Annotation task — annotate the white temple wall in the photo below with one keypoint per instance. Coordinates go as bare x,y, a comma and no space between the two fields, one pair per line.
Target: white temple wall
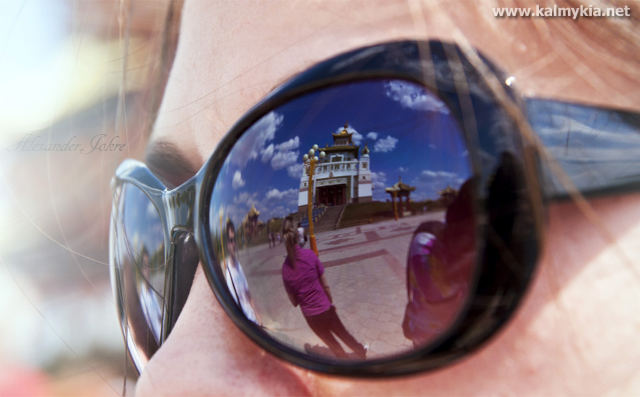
364,192
302,198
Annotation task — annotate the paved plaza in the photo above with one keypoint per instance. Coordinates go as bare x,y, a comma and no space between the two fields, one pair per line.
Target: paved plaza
365,269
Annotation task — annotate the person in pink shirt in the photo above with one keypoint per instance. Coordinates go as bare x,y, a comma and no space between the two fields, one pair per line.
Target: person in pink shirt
304,281
439,270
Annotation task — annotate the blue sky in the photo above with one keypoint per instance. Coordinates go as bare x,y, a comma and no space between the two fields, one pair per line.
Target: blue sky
409,132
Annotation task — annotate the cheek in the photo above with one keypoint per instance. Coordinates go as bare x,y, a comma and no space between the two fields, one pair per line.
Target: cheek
576,332
206,354
593,277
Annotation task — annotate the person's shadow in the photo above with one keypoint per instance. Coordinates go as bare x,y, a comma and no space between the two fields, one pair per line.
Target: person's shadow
323,351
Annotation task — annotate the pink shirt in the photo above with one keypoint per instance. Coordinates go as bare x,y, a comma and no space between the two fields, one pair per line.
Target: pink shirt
303,282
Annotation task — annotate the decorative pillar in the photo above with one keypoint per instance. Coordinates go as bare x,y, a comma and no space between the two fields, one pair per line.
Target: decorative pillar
395,207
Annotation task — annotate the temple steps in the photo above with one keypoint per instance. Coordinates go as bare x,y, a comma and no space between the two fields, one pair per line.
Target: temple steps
329,220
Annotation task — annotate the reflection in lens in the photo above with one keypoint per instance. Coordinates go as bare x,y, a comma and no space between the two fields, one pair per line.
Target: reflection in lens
140,268
440,260
382,259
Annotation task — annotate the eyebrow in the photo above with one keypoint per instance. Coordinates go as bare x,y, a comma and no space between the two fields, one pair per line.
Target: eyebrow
168,163
173,167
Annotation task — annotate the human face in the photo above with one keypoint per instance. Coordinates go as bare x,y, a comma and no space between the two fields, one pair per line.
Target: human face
231,55
231,241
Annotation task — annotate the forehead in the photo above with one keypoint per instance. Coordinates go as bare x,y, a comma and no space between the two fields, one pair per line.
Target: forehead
232,54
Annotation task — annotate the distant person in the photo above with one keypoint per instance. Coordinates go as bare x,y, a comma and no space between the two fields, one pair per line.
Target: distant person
270,235
302,237
304,281
234,275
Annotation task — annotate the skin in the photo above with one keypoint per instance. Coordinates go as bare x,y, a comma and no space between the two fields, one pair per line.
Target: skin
231,243
576,332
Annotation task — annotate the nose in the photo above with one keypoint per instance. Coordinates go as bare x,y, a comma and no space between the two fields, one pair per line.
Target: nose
206,354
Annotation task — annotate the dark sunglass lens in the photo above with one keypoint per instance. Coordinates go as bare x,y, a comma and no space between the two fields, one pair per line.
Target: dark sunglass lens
353,211
139,270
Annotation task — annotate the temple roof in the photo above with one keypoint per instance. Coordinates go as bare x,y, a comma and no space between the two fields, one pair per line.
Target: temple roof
400,187
341,148
343,132
253,211
342,135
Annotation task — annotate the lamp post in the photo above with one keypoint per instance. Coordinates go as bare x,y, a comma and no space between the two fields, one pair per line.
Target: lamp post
310,161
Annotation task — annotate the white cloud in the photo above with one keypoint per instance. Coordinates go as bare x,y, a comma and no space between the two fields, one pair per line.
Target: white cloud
430,182
279,203
241,204
282,154
412,96
246,198
356,138
385,144
280,211
271,203
295,170
402,169
282,195
283,159
372,135
289,145
379,179
438,174
267,153
237,181
256,137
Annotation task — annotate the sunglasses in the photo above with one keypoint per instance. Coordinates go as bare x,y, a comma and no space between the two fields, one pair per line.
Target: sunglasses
388,208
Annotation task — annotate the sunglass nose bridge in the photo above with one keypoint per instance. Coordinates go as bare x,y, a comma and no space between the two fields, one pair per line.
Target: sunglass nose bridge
182,263
180,205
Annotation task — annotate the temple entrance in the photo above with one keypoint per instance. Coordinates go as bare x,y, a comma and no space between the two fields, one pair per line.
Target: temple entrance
332,195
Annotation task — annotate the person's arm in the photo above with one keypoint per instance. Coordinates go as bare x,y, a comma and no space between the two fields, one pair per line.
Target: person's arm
290,294
325,286
323,281
292,298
